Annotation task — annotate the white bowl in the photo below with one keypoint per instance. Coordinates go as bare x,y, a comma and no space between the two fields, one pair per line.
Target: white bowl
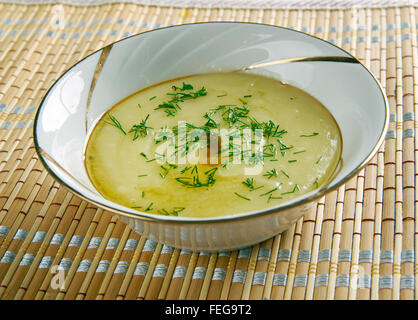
82,94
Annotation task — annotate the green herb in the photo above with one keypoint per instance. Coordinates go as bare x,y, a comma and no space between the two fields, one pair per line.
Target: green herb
168,107
236,114
177,210
294,189
170,166
291,161
248,96
222,95
195,182
282,146
174,212
245,198
268,192
284,173
249,182
115,123
181,96
140,130
315,183
171,107
210,123
309,135
185,87
152,98
163,211
270,174
144,155
269,150
273,198
143,194
185,169
139,106
297,152
149,207
319,159
270,129
211,171
142,175
136,207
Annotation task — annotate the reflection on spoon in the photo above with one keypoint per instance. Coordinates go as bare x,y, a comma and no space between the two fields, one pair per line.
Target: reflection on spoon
318,58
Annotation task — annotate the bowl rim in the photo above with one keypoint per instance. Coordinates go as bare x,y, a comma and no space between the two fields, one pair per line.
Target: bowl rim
316,194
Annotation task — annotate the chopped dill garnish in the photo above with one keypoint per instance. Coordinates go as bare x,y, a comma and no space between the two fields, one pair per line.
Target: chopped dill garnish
144,155
297,152
284,173
315,183
211,123
241,196
291,161
222,95
149,207
174,212
152,98
177,210
171,107
235,114
319,159
115,123
270,174
268,192
181,97
143,194
294,189
168,107
282,146
140,130
273,198
170,166
249,182
309,135
142,175
185,169
211,171
248,96
269,150
195,182
139,106
186,86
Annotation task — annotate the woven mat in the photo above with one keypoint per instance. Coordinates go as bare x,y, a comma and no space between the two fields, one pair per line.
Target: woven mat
358,244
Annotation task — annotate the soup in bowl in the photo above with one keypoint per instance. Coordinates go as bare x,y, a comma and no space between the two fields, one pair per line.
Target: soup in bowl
161,129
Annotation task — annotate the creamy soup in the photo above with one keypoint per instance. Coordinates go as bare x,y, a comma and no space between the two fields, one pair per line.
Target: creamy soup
213,144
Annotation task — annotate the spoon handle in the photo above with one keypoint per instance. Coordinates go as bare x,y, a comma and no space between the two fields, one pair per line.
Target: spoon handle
318,58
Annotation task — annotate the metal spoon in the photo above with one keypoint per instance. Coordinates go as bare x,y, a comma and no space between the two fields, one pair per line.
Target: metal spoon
318,58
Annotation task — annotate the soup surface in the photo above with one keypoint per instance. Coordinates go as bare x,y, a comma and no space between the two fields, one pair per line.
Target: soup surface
213,144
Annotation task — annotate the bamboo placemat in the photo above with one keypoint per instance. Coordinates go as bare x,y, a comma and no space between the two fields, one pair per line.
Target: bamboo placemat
359,242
